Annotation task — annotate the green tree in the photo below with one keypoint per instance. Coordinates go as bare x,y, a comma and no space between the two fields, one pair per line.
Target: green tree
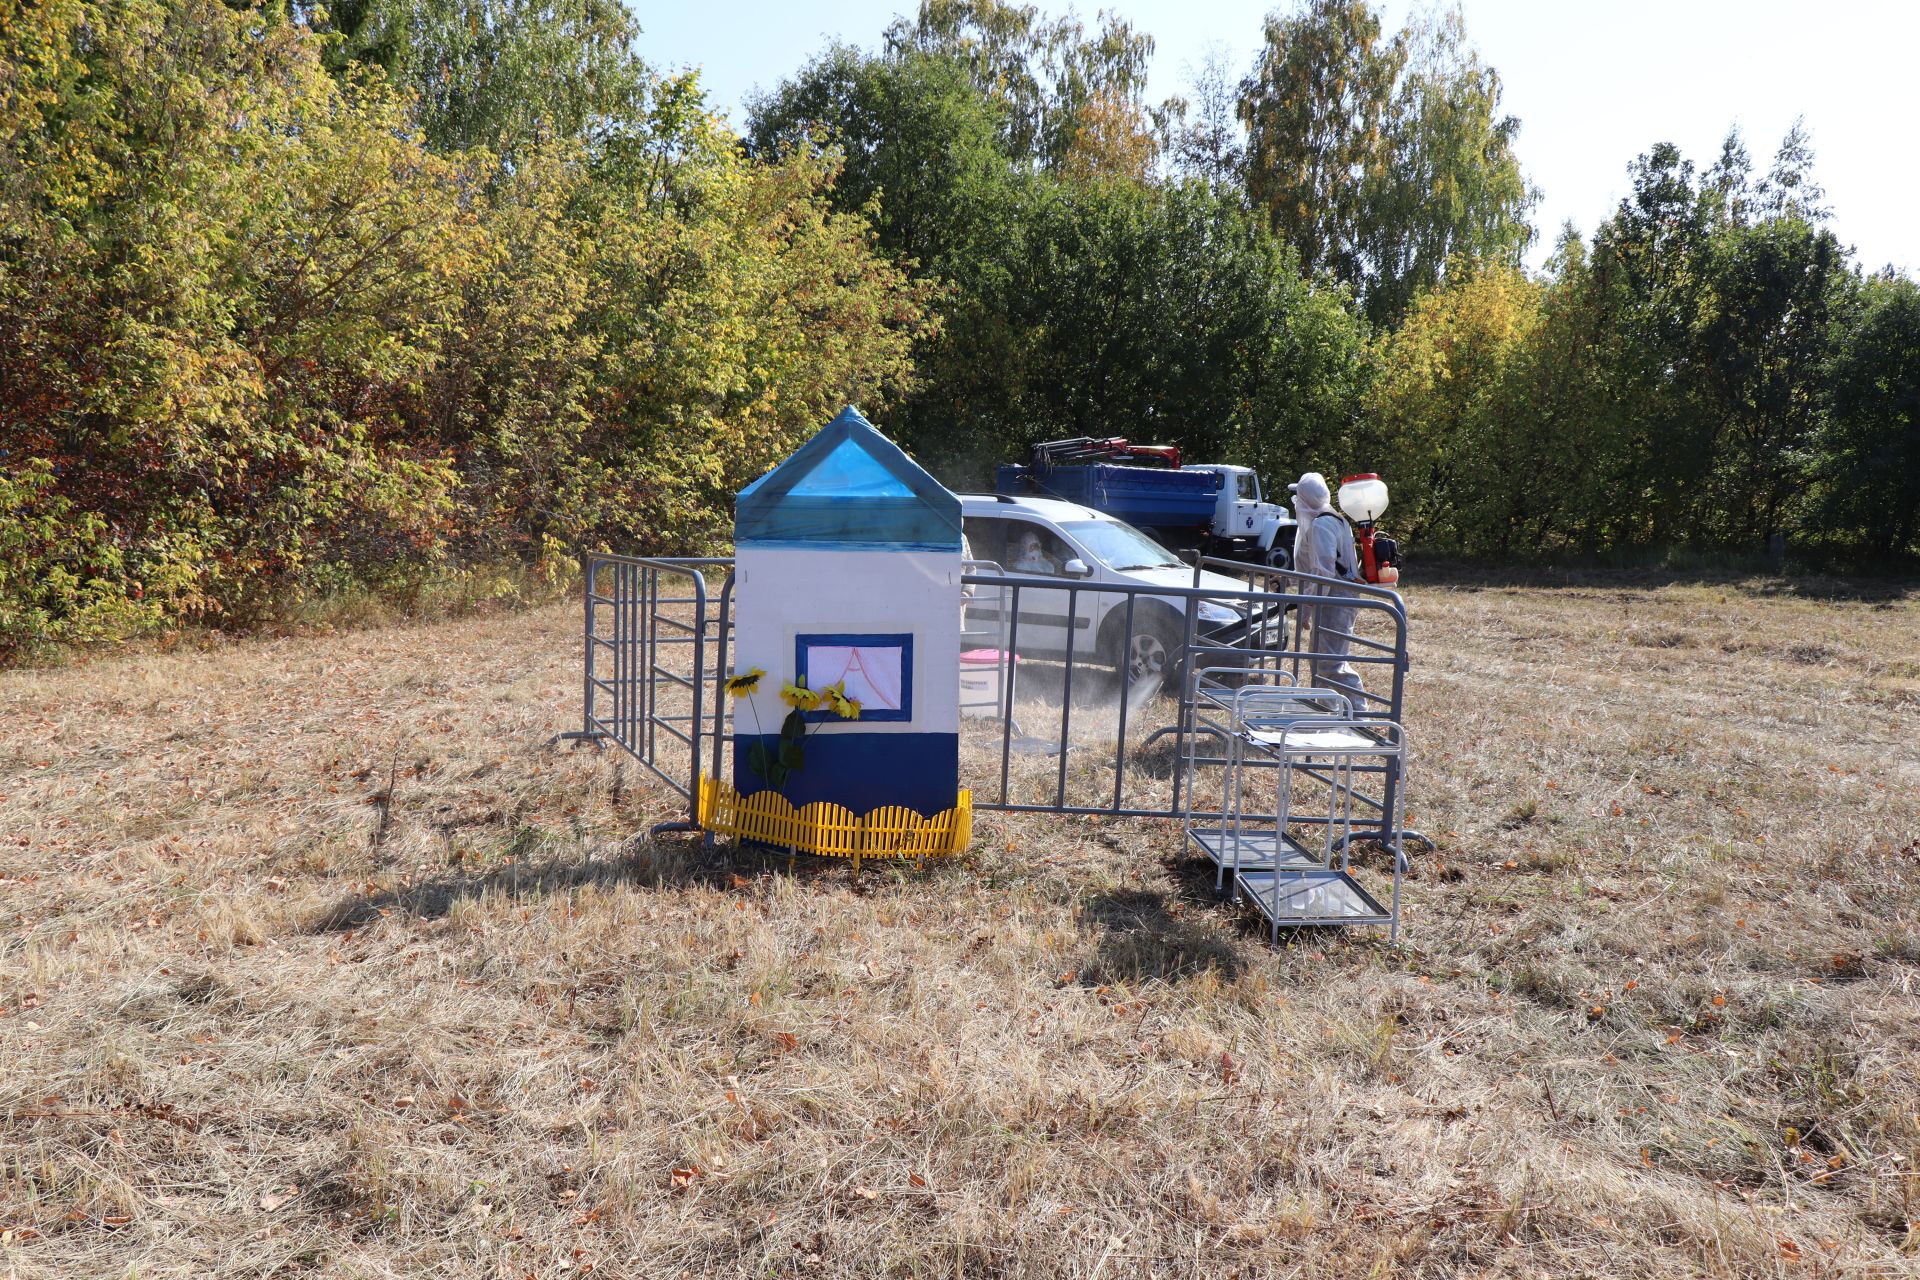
1646,286
1315,109
1073,303
1765,346
1718,294
1068,100
1869,493
1171,314
1449,186
1664,387
1447,405
922,150
1382,160
1203,130
257,341
502,74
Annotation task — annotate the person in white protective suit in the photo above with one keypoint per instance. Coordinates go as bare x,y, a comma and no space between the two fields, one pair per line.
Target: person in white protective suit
1032,558
1323,546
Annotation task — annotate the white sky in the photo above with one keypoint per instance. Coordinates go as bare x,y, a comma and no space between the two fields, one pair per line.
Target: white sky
1594,85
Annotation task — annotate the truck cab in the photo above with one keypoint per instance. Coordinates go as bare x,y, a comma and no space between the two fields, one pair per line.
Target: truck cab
1243,518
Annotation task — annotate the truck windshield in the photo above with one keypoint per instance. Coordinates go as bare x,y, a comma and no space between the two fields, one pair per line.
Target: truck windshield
1119,546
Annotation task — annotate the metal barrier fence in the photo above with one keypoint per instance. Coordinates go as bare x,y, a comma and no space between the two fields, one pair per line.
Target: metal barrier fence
1272,628
1312,628
640,615
1078,656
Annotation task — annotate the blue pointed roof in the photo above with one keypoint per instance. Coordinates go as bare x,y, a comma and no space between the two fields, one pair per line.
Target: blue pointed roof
848,487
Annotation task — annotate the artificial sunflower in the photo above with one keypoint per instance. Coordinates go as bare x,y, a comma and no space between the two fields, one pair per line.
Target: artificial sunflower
835,696
796,695
745,682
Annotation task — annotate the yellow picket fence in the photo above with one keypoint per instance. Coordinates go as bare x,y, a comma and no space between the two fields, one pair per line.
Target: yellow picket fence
768,817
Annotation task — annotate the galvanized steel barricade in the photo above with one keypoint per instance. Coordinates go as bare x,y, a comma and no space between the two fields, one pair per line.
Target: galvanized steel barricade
657,640
648,627
1268,632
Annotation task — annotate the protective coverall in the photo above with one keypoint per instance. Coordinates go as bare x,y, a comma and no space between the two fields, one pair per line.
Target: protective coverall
1032,558
1323,546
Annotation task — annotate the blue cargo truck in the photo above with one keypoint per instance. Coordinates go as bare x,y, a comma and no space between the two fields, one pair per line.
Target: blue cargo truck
1212,508
1144,497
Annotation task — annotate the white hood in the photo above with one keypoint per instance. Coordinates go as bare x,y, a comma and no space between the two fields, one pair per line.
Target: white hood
1183,577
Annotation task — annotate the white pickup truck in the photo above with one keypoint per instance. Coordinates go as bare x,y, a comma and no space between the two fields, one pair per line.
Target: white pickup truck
1047,538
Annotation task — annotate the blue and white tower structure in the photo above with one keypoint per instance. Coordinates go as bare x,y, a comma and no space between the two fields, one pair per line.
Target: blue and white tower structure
847,567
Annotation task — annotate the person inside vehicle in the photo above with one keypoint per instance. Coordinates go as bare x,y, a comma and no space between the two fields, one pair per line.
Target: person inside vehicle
1032,557
1323,546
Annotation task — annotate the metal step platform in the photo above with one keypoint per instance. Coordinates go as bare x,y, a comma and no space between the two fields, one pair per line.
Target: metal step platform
1259,850
1292,899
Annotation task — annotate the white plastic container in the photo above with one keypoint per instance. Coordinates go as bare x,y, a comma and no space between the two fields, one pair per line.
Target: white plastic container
1363,497
981,674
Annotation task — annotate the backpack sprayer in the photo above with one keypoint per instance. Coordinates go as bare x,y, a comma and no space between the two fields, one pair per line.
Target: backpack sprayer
1363,499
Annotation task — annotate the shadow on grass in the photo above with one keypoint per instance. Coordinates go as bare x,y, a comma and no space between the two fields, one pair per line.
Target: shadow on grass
645,862
1154,933
1189,929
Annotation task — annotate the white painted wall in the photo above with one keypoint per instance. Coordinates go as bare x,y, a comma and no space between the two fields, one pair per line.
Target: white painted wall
782,592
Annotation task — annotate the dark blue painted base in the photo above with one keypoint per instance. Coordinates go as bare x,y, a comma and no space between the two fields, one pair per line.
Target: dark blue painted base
863,771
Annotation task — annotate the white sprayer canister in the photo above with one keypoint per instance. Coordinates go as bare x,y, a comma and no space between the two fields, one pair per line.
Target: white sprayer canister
1363,497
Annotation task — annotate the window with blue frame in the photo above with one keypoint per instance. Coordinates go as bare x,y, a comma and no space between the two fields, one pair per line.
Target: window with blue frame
877,670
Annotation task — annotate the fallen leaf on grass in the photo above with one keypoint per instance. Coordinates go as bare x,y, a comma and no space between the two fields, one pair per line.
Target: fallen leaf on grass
682,1178
279,1197
866,1193
786,1040
915,1179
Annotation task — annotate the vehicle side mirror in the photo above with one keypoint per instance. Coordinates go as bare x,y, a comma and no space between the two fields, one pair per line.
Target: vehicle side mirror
1076,568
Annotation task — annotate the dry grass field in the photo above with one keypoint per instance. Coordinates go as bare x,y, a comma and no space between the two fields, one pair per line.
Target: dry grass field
321,958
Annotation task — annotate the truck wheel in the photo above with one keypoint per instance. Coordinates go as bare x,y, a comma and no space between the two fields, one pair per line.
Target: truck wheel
1280,558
